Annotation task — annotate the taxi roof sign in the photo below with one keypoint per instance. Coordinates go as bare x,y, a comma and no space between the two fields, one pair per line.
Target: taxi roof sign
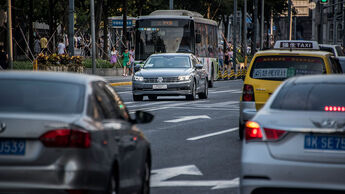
296,44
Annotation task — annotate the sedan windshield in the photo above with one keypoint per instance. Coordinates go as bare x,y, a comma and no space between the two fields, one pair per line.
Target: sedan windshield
27,96
167,62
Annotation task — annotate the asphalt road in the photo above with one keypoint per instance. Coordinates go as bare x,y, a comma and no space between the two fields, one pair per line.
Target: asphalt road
195,144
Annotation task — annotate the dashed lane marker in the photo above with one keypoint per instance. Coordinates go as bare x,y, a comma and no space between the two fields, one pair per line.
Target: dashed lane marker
212,134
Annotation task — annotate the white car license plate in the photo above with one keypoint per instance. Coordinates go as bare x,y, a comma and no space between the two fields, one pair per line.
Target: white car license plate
159,87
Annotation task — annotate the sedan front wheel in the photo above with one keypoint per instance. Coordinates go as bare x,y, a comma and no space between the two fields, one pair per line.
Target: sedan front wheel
193,95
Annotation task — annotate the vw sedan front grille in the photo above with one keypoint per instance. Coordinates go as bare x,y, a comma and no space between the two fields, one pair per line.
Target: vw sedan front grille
165,80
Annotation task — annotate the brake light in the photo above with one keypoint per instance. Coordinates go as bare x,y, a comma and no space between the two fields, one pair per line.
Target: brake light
248,93
335,108
252,131
273,134
66,138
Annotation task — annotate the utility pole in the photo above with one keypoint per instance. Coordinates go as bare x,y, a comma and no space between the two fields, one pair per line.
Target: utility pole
343,23
334,24
71,28
171,4
9,34
321,23
290,19
254,22
234,35
93,39
245,32
295,28
262,24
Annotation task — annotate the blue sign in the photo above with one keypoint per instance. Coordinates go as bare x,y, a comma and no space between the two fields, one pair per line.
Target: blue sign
119,23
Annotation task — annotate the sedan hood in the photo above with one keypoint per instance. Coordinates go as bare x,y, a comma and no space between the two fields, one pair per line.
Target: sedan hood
163,72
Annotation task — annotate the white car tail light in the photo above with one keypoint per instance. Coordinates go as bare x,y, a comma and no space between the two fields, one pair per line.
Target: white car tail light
253,132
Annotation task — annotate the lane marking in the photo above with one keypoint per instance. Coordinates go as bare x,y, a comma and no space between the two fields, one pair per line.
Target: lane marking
224,91
188,118
206,108
160,178
212,134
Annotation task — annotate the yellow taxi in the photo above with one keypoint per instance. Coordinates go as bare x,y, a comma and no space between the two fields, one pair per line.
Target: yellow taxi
269,68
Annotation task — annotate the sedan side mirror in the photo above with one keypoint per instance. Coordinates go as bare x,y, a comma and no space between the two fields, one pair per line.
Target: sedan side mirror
199,66
142,117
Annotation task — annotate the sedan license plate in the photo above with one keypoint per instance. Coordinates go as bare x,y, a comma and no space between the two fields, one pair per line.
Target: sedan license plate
12,147
159,87
319,142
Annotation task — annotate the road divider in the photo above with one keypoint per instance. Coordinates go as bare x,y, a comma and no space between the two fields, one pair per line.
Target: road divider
212,134
121,84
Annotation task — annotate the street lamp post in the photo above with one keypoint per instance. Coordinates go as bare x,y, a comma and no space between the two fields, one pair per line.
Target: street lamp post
171,4
321,24
290,19
9,34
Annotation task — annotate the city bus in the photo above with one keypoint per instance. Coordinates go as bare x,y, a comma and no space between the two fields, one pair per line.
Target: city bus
174,31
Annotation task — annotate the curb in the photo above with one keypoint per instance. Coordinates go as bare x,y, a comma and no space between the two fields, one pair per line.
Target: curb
121,84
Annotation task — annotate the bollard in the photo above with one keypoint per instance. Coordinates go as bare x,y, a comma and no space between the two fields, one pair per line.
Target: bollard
220,76
35,65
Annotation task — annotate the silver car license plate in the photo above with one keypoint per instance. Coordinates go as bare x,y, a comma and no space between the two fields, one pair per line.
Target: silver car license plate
159,87
12,147
324,142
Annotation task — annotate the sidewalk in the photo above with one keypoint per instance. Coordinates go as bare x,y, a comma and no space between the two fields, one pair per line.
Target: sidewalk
119,80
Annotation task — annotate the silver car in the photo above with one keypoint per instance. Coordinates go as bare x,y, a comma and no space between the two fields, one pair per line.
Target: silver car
296,142
69,133
170,74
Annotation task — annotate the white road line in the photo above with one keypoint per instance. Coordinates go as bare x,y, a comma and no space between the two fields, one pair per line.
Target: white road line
206,108
188,118
224,91
124,92
149,104
212,134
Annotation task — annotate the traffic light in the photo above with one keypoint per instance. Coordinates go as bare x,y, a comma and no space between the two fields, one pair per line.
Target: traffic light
324,1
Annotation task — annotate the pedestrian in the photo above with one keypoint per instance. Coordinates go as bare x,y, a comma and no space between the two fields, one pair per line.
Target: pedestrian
61,48
221,58
3,58
114,55
231,55
132,59
44,44
226,59
37,47
125,62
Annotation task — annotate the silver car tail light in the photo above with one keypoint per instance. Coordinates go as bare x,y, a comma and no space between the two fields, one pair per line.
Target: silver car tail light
69,138
254,132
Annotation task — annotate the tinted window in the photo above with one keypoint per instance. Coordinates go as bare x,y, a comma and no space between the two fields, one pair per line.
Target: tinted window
340,51
342,63
327,49
310,97
167,62
41,97
282,67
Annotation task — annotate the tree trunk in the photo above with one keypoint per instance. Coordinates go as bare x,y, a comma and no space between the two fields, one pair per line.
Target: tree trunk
124,28
105,19
225,20
99,9
31,32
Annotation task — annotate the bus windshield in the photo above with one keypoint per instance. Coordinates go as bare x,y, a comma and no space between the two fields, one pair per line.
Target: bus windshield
163,36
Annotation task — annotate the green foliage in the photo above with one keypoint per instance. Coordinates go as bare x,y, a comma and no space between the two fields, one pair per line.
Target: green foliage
22,65
100,63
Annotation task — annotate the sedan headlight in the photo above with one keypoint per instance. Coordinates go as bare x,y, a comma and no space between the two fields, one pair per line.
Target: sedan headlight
138,78
184,78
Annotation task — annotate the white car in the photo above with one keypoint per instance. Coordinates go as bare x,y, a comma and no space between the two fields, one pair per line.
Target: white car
296,142
337,50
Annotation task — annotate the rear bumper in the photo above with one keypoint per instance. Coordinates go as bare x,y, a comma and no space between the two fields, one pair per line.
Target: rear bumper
173,89
261,170
54,178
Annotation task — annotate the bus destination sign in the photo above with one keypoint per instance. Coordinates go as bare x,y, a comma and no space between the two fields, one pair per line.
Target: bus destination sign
164,23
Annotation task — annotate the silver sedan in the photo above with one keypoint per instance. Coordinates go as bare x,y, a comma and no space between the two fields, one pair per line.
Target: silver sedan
296,142
69,133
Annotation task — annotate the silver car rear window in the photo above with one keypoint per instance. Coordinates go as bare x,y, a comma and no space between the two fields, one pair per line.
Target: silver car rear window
282,67
310,97
28,96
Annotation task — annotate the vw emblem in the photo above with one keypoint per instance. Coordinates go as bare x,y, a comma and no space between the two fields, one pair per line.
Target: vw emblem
2,127
160,80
